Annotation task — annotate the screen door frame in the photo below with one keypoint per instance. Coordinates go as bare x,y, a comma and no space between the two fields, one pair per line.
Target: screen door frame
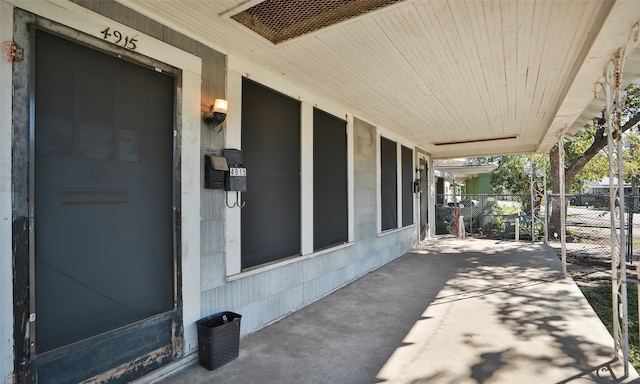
50,358
26,23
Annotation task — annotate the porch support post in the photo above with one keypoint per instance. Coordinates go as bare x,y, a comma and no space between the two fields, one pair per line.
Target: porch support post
545,222
538,194
534,177
563,209
616,213
622,249
614,98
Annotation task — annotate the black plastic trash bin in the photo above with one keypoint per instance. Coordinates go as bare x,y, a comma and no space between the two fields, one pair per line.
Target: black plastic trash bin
218,339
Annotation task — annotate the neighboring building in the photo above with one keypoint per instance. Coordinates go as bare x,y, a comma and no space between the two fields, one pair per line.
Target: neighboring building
479,185
116,231
602,187
596,194
458,178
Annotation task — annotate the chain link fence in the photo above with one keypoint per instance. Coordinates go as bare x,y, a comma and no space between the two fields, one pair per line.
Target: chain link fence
588,220
588,224
493,216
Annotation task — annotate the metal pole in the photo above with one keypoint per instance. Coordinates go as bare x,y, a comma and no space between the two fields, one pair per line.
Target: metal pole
546,197
533,194
470,215
634,36
618,265
563,211
612,207
546,217
622,261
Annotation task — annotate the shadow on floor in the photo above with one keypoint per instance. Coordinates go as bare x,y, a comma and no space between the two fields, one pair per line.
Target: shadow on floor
450,311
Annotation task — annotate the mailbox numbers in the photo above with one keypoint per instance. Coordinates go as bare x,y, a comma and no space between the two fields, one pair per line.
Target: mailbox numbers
118,38
238,171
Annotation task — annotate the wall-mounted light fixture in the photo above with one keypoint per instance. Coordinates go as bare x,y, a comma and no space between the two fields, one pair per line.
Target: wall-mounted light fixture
216,114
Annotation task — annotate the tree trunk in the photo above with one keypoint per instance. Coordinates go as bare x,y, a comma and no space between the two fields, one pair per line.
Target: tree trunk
569,175
554,218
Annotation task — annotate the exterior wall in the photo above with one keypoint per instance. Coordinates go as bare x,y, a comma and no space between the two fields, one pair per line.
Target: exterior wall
473,186
365,150
211,277
485,183
272,292
480,184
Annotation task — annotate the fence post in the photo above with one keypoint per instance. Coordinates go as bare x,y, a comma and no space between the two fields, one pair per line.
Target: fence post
471,216
546,219
517,234
456,222
461,233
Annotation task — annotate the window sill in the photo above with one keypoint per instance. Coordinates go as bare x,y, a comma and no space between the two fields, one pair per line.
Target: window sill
395,230
289,260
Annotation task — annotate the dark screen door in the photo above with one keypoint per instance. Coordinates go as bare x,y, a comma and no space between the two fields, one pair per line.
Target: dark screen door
103,192
424,200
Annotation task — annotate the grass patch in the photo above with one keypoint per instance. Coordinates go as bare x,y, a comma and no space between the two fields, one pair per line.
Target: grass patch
509,210
597,290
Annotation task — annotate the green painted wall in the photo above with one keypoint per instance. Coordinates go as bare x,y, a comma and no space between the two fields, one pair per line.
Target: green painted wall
472,186
479,185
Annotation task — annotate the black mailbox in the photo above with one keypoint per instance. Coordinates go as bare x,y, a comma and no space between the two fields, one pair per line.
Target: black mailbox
214,171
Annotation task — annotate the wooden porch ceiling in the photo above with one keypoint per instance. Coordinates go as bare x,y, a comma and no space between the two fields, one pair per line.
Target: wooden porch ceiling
483,77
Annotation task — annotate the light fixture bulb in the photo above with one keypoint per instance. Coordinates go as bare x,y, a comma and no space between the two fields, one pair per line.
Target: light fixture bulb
216,115
220,105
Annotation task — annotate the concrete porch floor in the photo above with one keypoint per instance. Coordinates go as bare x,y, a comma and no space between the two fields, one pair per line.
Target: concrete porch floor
450,311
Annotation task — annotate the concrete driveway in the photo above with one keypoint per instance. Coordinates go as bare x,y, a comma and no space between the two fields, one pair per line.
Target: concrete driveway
450,311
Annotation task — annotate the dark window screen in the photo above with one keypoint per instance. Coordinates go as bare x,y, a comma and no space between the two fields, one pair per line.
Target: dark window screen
407,186
440,191
271,153
389,183
103,192
330,224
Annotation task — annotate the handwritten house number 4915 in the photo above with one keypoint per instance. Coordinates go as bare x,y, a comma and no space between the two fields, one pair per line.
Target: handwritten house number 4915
118,38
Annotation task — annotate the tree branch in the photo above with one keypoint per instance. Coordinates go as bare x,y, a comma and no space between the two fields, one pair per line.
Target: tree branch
599,142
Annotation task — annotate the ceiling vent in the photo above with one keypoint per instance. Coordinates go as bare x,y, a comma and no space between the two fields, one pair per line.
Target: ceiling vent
473,141
281,20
